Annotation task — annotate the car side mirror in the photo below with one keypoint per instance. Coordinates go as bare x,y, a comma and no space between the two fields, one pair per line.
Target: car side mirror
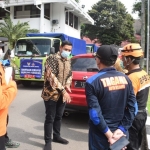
52,50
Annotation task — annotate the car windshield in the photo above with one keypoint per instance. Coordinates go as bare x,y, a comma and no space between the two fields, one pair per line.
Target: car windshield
28,47
84,64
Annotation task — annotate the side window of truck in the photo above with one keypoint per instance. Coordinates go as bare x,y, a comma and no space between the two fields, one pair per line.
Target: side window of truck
56,45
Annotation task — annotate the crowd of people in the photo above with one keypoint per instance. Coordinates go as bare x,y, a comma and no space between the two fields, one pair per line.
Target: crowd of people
116,97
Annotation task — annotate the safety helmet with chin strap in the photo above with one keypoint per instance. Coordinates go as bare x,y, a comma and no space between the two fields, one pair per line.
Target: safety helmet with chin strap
132,49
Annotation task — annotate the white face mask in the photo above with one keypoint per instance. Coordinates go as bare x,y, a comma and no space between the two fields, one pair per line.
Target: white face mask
65,54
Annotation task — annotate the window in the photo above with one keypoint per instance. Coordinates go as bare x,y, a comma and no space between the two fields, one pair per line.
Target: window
3,13
76,22
84,64
33,47
17,8
56,45
66,18
34,12
47,11
70,19
27,7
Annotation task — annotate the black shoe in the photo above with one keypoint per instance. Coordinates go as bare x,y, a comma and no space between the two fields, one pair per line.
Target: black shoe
47,146
60,140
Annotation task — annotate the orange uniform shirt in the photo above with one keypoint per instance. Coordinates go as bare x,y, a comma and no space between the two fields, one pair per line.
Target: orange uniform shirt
7,95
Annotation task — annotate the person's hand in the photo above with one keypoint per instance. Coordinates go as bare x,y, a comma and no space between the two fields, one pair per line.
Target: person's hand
118,134
67,87
66,98
111,140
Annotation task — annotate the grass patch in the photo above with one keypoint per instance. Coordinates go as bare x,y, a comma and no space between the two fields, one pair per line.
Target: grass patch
148,104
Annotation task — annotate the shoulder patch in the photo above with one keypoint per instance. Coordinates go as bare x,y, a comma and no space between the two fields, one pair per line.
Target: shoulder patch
91,79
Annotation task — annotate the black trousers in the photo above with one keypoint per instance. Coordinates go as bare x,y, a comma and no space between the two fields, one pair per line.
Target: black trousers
135,132
6,136
54,112
2,143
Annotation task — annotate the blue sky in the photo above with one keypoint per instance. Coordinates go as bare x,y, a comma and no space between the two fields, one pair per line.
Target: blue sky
128,4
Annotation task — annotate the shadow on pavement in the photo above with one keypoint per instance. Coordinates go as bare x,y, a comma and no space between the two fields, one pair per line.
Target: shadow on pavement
74,126
25,137
33,86
36,112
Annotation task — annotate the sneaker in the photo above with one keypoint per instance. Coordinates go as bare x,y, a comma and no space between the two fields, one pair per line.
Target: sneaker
48,146
12,144
60,140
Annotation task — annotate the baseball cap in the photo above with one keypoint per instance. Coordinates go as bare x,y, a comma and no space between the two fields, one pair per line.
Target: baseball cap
107,52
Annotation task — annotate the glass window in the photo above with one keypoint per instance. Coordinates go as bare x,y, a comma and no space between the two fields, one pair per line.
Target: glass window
28,47
70,19
76,22
27,7
3,13
34,12
47,11
66,18
56,45
18,8
84,64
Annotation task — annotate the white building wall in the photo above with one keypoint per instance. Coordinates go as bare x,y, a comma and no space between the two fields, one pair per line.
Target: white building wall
58,13
71,31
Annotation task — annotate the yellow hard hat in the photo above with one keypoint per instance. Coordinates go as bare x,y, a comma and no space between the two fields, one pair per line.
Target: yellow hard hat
132,49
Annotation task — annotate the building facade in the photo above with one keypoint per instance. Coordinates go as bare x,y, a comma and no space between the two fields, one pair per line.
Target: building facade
59,16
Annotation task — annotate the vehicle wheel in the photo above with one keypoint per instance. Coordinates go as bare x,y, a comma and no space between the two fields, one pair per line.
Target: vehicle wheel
26,83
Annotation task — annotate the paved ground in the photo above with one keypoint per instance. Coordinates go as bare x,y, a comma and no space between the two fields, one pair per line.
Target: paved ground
26,123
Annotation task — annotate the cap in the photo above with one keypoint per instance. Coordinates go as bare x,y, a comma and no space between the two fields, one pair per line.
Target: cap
2,44
107,52
132,49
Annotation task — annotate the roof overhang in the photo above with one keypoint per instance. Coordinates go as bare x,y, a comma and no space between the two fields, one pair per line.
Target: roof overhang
71,4
3,39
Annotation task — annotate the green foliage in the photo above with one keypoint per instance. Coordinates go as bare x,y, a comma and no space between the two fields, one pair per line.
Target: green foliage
137,8
77,1
112,23
14,31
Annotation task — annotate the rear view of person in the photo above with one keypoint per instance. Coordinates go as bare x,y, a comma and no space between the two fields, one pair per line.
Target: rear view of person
111,101
8,93
131,55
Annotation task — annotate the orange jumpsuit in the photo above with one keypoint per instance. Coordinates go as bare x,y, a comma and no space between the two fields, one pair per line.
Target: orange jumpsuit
7,95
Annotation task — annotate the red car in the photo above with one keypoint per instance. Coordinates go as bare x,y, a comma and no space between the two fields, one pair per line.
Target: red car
83,67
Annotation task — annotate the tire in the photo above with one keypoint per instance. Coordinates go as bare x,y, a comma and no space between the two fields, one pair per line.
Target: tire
26,83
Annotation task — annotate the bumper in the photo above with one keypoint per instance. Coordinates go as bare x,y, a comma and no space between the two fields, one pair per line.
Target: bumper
78,103
17,78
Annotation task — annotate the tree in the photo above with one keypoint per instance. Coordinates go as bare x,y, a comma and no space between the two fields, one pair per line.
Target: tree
14,31
112,23
77,1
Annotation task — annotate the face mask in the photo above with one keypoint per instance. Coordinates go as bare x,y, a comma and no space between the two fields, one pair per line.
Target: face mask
65,54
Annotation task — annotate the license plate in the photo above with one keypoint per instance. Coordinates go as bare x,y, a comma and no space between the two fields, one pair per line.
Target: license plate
29,76
79,84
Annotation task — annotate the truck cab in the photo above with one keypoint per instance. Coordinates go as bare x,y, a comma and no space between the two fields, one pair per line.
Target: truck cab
30,54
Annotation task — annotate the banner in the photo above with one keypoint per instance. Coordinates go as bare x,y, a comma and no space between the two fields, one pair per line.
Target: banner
31,68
